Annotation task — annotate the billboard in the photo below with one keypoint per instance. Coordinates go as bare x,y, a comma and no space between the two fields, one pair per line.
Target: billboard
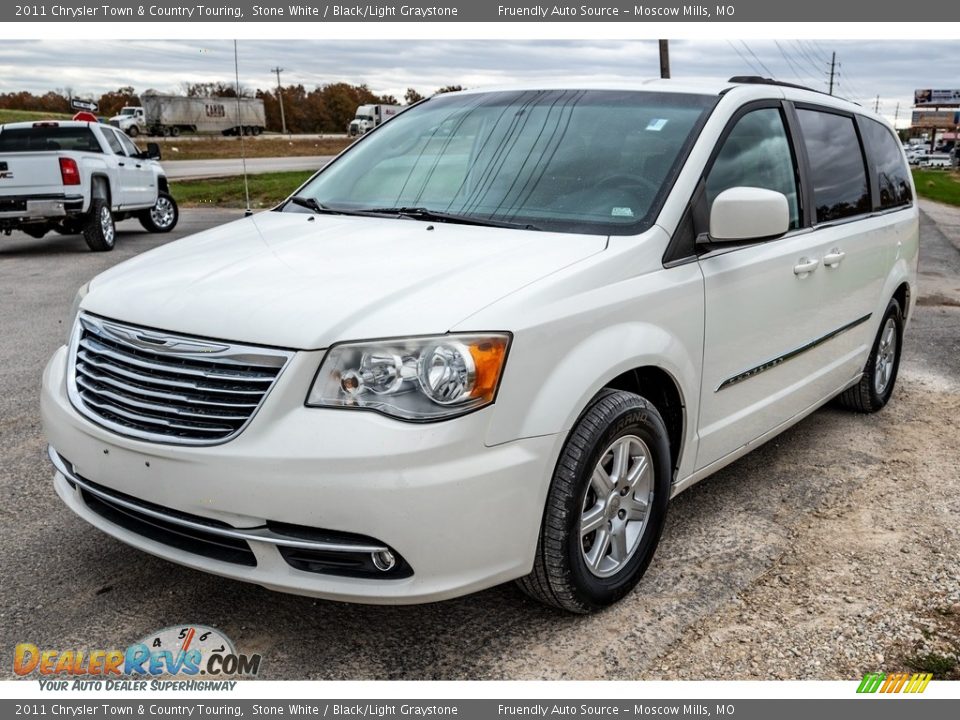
935,119
936,97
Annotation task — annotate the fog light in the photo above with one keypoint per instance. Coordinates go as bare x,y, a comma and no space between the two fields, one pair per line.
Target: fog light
383,560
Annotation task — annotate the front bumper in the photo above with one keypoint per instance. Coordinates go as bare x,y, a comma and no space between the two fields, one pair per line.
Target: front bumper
462,515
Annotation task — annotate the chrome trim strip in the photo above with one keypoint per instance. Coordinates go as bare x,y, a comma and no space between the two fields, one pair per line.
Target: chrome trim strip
769,364
263,535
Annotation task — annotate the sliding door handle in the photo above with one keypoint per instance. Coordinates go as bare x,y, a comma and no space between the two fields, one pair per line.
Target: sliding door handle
834,257
805,266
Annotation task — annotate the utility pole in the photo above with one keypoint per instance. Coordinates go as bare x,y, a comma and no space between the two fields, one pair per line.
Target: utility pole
283,117
833,66
665,58
876,105
896,116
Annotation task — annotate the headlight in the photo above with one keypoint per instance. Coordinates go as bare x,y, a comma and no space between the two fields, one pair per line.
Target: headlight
413,378
75,309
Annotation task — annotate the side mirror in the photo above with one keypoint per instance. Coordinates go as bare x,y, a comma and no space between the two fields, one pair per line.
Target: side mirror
153,151
748,213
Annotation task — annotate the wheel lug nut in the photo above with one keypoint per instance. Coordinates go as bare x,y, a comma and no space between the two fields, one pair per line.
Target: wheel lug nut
622,514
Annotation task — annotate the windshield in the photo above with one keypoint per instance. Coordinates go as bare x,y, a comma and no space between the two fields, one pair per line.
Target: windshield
565,160
128,111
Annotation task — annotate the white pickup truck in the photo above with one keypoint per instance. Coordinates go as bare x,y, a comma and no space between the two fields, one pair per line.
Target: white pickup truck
80,177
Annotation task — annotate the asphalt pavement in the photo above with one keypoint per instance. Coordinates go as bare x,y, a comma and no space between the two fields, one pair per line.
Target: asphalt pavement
64,584
196,169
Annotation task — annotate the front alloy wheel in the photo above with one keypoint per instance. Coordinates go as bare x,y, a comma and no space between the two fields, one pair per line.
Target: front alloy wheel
616,506
606,506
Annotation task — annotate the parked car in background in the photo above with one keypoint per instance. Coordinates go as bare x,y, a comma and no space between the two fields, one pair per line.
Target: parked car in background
494,353
936,160
80,177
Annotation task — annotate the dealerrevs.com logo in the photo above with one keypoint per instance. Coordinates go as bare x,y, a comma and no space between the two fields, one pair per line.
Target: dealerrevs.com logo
197,656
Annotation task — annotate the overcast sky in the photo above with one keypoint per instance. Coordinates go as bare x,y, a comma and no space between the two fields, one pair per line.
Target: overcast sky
866,68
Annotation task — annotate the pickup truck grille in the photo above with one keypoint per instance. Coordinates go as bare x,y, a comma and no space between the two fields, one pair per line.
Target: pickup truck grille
167,388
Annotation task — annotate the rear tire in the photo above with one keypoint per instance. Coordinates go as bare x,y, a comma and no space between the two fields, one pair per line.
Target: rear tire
162,217
880,374
606,506
100,232
175,131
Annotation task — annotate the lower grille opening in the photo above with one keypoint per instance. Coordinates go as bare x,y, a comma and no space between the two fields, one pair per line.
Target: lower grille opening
216,547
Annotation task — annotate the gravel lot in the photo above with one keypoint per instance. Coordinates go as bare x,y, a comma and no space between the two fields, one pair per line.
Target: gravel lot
829,552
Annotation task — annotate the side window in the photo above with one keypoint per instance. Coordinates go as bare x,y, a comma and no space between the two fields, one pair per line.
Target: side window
128,145
113,141
837,166
893,177
757,153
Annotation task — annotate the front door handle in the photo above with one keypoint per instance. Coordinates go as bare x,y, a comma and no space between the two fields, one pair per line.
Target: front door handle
834,257
805,266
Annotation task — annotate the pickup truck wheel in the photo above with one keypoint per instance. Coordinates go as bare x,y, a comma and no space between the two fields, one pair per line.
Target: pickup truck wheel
606,506
880,374
100,231
162,217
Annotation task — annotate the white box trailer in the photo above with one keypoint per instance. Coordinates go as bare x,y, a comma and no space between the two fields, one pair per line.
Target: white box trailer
175,114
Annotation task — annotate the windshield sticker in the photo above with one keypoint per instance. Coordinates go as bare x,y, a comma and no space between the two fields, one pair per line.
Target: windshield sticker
621,212
657,124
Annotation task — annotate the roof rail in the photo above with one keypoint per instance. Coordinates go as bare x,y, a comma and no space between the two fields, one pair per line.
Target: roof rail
758,80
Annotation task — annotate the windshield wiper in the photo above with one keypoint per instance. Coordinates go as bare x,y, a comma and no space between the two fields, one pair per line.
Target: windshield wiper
312,204
422,213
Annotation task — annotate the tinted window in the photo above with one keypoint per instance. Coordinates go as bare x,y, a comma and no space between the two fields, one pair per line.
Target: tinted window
893,177
837,167
128,145
113,141
587,161
38,139
757,154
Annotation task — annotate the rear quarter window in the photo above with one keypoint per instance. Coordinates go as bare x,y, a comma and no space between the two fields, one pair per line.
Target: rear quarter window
53,138
893,176
837,166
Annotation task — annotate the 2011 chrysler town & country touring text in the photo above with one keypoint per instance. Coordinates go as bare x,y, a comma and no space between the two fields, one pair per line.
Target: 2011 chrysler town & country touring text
491,340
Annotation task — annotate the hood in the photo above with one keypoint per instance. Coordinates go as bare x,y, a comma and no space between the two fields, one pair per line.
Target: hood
305,281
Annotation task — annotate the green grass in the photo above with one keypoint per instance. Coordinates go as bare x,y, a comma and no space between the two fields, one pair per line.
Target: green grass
266,190
940,666
940,185
10,116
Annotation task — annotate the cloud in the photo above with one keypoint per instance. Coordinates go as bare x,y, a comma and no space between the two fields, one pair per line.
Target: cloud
865,68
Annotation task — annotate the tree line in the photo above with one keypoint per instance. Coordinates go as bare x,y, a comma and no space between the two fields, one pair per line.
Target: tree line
324,108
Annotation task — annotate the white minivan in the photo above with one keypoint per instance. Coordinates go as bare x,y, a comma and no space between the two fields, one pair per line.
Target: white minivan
491,340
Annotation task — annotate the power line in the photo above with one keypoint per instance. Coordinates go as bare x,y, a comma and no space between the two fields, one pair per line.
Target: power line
744,58
789,61
769,71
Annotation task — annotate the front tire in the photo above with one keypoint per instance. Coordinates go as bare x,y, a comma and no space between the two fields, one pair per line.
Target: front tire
606,506
100,232
133,131
162,217
880,374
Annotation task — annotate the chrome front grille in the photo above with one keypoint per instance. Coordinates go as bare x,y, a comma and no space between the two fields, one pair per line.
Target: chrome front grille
167,388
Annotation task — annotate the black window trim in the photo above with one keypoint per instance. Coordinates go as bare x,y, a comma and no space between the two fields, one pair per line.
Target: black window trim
697,212
872,184
874,168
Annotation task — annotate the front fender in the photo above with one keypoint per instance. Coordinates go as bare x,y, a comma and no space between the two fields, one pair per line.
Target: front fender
576,332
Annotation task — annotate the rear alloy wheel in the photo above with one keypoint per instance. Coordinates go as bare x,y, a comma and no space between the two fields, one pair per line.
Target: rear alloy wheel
100,231
606,506
162,217
880,373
